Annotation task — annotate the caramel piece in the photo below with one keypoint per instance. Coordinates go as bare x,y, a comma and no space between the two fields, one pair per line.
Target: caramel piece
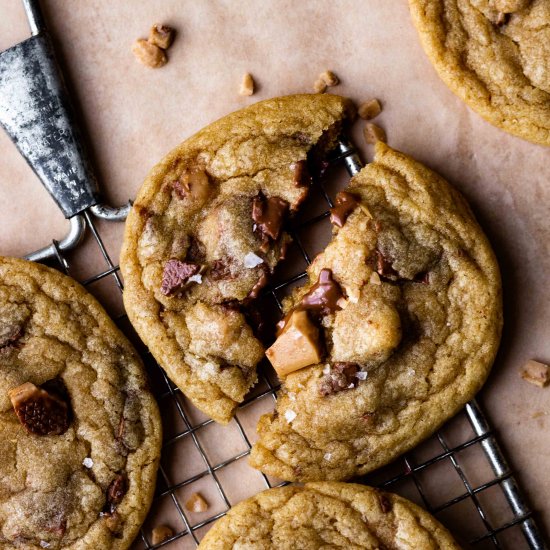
344,205
160,534
247,85
193,185
329,78
196,503
324,295
536,373
161,36
297,346
369,109
374,133
149,54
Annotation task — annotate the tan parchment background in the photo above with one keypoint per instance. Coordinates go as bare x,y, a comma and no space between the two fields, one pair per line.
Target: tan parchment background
134,115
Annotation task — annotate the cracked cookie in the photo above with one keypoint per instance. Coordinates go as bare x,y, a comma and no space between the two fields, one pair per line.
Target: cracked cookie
407,297
80,432
205,233
327,515
495,55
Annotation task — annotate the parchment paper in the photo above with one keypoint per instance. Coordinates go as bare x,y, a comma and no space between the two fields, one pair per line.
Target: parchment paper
134,115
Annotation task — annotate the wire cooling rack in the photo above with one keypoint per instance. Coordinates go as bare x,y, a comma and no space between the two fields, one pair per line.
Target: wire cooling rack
459,474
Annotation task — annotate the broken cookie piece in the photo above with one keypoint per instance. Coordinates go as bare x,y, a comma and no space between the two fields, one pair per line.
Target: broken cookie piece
297,346
258,163
404,351
40,412
536,373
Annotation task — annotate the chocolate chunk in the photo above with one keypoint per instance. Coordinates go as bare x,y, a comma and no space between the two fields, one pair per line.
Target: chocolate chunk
262,281
385,503
383,266
181,188
195,253
324,295
9,336
175,275
342,376
40,412
302,177
220,270
115,493
268,215
344,205
502,19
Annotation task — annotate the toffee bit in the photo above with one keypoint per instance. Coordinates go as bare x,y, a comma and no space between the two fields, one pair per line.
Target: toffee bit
536,373
160,534
196,503
329,78
369,109
374,133
247,85
161,36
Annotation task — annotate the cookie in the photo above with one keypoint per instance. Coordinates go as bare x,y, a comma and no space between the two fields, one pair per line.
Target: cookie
407,297
205,233
80,432
327,515
495,55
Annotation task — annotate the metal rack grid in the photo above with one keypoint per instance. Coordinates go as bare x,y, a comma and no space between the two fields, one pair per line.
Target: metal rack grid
498,526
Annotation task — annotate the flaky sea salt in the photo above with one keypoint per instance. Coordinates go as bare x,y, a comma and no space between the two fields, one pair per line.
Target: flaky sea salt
327,456
290,415
44,544
195,278
87,462
252,260
292,396
352,385
362,375
326,369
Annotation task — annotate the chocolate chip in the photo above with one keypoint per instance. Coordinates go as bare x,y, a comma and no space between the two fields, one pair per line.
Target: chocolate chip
340,377
302,177
262,281
383,266
344,205
324,295
220,270
10,335
385,503
181,188
268,215
115,493
175,275
196,253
